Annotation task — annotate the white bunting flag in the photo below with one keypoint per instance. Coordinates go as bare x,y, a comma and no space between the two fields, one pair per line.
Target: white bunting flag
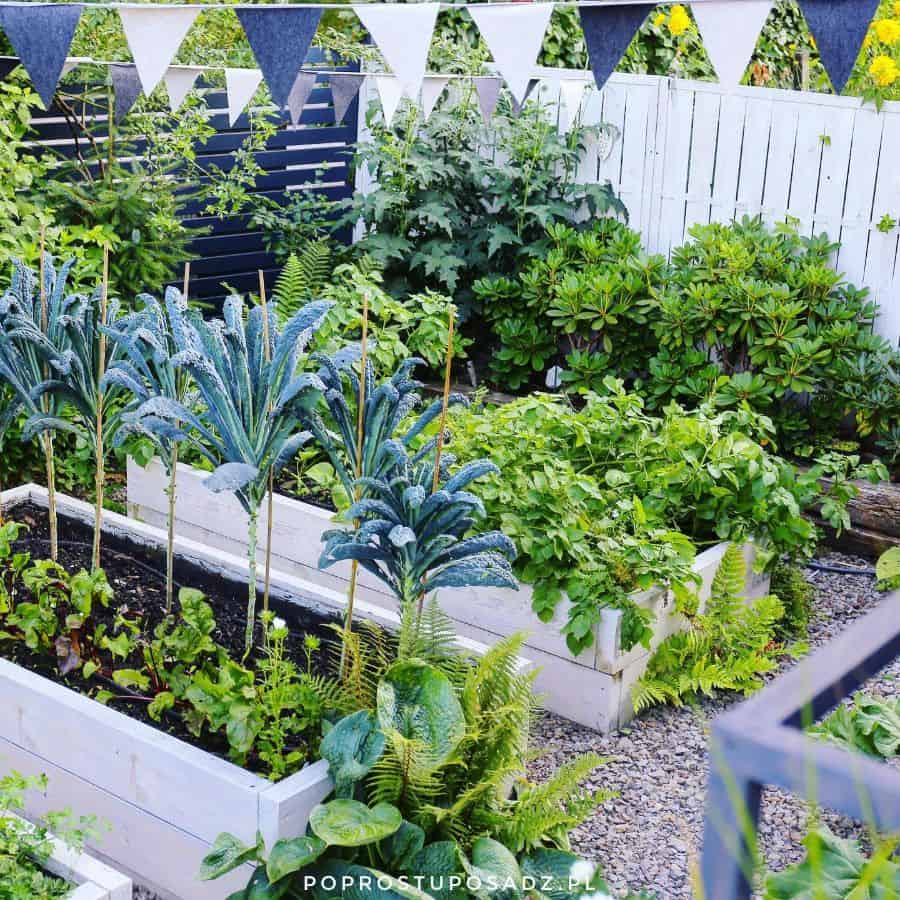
179,81
730,32
514,35
403,35
432,88
390,91
241,85
571,92
154,35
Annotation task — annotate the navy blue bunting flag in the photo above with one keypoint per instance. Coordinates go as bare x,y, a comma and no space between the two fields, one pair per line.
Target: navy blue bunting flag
41,35
126,84
839,27
608,30
280,39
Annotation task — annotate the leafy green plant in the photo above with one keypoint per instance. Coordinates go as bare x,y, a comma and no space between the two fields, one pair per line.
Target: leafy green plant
245,372
453,198
887,570
790,586
303,277
421,791
26,848
145,368
836,868
871,726
728,646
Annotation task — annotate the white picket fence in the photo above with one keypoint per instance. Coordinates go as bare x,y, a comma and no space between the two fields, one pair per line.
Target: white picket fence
689,152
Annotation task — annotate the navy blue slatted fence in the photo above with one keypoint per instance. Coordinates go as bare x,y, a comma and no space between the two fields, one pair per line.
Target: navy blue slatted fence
313,155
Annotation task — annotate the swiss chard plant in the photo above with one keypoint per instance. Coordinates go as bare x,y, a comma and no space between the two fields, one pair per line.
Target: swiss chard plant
253,397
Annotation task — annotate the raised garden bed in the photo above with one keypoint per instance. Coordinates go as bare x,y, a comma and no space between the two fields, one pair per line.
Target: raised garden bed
92,879
593,689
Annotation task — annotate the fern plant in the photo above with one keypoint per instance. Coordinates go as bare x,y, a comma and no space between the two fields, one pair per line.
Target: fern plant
727,647
304,276
246,374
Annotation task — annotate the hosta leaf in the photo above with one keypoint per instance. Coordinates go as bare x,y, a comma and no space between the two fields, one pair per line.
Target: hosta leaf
349,823
352,747
399,850
419,702
491,858
291,855
227,853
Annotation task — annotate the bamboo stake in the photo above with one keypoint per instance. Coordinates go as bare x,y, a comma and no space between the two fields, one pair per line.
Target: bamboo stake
99,448
357,493
446,400
49,461
271,492
172,491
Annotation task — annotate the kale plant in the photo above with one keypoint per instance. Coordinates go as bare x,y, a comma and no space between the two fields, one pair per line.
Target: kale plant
145,369
253,401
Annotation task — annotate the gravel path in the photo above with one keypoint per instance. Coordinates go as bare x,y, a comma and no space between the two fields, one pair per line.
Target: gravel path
649,836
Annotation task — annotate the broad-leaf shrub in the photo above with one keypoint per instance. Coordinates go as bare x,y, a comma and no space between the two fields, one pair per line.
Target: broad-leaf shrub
609,499
454,200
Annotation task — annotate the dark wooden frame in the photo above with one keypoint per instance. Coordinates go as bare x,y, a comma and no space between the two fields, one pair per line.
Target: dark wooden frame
760,743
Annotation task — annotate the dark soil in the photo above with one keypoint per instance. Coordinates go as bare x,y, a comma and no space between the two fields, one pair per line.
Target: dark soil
137,575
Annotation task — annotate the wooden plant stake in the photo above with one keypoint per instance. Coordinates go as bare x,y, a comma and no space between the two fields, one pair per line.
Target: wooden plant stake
271,492
439,447
357,493
172,491
100,450
49,461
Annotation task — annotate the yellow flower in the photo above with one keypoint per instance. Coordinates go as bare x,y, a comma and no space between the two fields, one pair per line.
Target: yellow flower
884,71
679,21
897,7
887,30
660,18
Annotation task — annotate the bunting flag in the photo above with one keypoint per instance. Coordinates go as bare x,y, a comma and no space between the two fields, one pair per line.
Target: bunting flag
7,65
390,92
488,89
432,88
179,82
154,35
514,35
299,94
41,35
344,88
608,31
839,27
403,35
571,93
280,39
126,86
730,32
240,85
516,105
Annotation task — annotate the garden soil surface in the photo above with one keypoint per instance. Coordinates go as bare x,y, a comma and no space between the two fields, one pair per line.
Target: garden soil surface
137,575
649,836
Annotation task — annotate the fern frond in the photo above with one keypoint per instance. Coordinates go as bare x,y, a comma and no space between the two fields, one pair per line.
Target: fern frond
303,277
727,584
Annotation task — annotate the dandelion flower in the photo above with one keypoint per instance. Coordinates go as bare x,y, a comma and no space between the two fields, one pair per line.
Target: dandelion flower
660,18
884,71
887,30
679,20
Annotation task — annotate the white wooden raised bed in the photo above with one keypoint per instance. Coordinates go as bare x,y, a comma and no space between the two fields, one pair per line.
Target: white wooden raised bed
593,689
91,879
165,799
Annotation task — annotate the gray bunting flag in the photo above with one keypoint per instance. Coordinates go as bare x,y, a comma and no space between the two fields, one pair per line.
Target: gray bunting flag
344,88
300,92
280,39
126,86
41,35
488,89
